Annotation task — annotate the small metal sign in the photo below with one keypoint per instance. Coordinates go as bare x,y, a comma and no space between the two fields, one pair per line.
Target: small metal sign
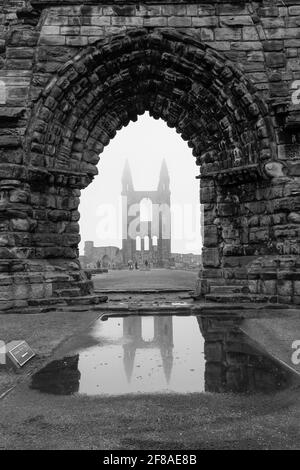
19,352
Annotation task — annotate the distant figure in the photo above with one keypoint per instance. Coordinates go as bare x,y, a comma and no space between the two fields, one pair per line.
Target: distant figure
146,263
136,265
130,264
98,264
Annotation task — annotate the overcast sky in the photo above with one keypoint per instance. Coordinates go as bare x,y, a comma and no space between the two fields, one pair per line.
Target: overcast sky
144,143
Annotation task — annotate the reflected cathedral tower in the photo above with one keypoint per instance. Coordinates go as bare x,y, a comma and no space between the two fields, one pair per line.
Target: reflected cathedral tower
162,340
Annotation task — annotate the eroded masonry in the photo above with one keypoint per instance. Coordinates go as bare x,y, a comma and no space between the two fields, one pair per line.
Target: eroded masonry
225,75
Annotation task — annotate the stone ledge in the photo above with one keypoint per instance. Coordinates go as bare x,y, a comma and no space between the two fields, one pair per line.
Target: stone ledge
60,3
234,175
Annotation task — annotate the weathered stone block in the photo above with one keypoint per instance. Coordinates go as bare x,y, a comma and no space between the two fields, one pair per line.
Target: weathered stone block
179,21
210,235
225,34
149,10
273,46
128,21
294,10
37,291
26,37
21,291
275,59
294,217
158,21
21,225
211,257
285,288
205,21
207,34
76,40
174,10
92,31
70,30
268,287
250,34
53,40
236,20
50,30
100,21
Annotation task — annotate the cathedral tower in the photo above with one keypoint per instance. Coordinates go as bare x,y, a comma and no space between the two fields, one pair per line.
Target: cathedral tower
146,221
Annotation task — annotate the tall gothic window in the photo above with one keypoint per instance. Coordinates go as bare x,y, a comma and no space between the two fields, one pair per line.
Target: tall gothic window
146,210
146,243
138,243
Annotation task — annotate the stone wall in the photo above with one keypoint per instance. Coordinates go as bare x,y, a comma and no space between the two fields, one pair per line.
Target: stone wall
225,75
235,364
108,256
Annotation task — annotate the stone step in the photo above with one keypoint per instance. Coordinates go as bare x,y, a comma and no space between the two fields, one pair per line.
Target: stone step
227,289
86,299
239,297
72,292
80,300
143,290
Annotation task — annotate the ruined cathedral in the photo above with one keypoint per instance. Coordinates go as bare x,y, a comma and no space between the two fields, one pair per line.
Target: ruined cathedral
146,221
146,227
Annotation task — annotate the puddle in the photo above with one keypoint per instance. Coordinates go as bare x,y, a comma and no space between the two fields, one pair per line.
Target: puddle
158,354
135,355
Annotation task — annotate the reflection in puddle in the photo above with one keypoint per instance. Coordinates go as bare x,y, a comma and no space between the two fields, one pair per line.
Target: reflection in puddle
60,377
144,354
234,363
151,354
136,355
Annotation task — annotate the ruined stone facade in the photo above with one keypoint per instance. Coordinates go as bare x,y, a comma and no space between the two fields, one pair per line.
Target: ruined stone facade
224,75
146,237
107,256
186,260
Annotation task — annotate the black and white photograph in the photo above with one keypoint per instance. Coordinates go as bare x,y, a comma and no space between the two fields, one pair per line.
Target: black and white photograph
149,228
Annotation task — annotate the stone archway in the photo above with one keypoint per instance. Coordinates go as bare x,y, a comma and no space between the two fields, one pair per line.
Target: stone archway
170,74
216,110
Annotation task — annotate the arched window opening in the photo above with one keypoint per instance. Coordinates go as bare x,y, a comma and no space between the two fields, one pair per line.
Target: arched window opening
154,240
138,243
146,210
146,243
147,329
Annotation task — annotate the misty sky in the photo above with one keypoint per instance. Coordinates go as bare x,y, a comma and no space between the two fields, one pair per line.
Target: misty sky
144,143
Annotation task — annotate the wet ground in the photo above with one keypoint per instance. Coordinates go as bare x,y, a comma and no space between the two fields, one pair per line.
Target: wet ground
241,397
148,381
133,354
163,354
